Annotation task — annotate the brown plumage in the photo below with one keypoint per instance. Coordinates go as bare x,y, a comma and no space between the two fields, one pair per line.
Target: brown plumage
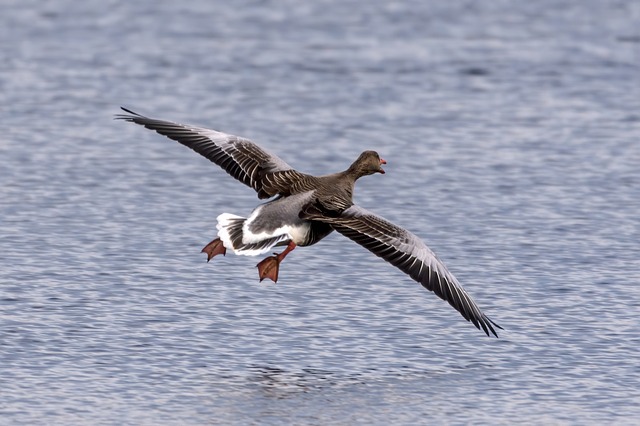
307,208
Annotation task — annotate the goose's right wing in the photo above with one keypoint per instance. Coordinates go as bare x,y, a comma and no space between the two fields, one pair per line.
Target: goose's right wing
411,255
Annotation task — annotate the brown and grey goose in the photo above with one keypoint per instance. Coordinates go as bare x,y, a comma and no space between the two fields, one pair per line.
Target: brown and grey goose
305,209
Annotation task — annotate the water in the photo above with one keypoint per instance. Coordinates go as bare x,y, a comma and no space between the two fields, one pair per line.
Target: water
511,135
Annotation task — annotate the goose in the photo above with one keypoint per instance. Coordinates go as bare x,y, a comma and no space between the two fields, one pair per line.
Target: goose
303,209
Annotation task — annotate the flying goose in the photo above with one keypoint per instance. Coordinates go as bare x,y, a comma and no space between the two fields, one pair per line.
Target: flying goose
304,209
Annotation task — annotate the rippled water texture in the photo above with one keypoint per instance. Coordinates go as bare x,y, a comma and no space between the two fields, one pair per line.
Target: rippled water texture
511,133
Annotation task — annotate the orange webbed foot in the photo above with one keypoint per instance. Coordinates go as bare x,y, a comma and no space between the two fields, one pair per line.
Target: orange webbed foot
269,268
214,248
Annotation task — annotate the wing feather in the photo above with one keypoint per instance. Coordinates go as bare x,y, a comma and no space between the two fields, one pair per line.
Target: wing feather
411,255
239,157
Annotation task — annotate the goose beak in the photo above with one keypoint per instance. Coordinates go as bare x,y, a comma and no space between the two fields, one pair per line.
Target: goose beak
382,161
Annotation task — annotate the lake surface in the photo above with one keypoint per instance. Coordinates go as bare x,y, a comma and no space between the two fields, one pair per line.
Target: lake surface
512,138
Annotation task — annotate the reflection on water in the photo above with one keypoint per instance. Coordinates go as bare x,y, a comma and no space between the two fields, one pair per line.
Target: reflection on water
277,383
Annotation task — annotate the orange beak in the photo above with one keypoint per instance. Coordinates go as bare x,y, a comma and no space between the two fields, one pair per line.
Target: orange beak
382,161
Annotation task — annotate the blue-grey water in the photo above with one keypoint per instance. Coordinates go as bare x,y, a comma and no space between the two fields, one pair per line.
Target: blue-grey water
512,135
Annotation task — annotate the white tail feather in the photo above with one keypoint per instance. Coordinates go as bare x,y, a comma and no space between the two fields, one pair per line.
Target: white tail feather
226,222
230,230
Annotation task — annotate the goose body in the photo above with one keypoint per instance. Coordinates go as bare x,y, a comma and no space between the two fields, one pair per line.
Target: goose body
270,224
303,209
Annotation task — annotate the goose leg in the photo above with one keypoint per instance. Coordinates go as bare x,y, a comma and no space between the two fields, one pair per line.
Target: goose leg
269,267
214,248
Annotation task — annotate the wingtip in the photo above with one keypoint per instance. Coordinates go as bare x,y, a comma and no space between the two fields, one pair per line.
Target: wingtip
129,111
126,117
490,324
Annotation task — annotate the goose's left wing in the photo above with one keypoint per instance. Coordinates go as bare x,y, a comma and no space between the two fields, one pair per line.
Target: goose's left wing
411,255
244,160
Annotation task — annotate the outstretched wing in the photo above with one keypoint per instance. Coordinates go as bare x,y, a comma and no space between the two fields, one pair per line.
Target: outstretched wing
266,173
407,252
